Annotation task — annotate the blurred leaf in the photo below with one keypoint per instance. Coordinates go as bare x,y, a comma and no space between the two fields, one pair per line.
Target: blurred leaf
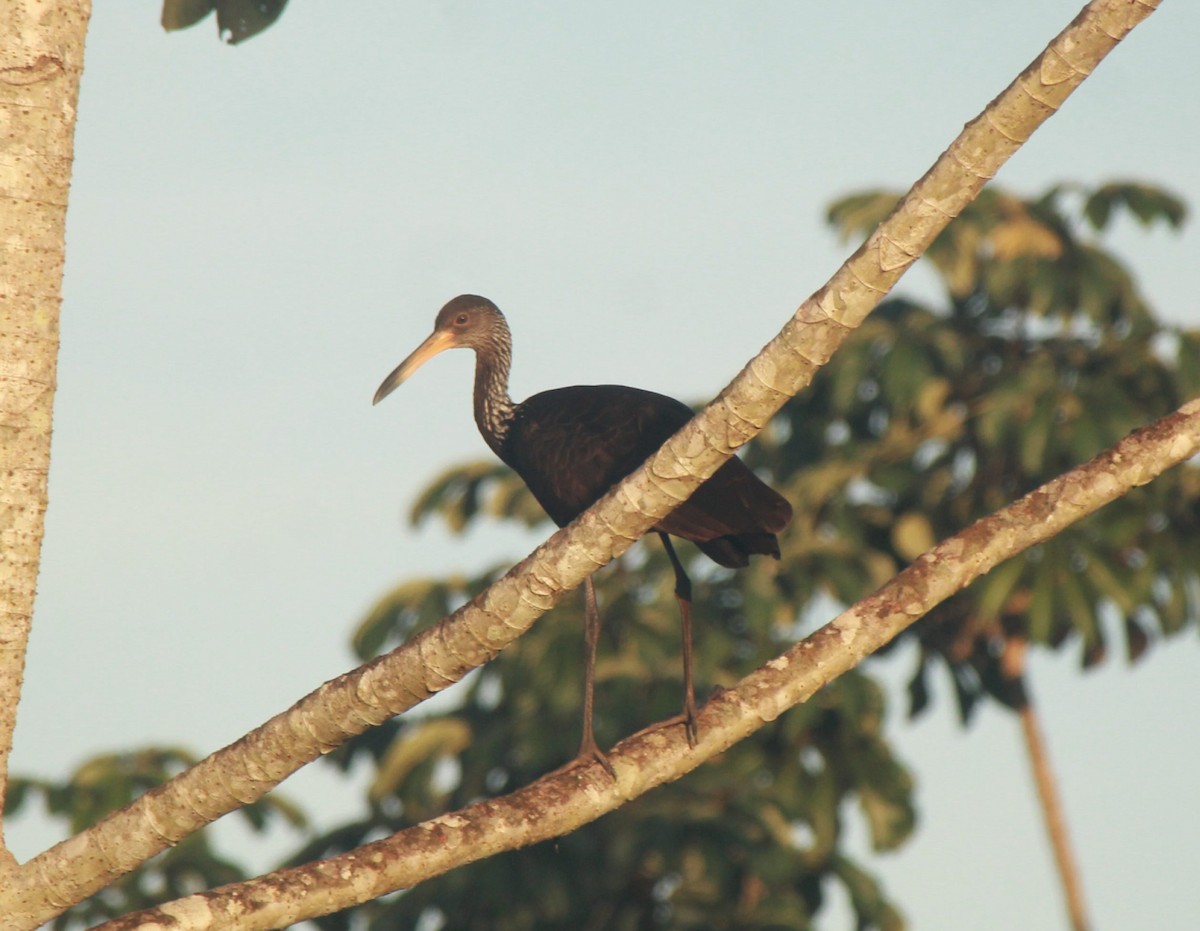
867,898
1146,202
994,590
905,372
912,535
236,19
454,495
444,737
931,399
918,690
465,492
1023,236
1042,602
1137,641
890,816
1081,612
1188,360
859,214
179,14
1036,436
1100,573
406,608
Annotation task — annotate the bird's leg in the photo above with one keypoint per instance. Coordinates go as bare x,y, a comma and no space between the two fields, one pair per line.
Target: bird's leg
683,594
589,750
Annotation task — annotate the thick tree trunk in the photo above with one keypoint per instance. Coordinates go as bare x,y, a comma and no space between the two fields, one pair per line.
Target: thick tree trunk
41,57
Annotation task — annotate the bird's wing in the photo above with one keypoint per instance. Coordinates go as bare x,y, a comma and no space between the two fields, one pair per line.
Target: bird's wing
571,445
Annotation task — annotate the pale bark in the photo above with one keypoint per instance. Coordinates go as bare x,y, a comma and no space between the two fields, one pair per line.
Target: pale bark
349,705
563,801
41,57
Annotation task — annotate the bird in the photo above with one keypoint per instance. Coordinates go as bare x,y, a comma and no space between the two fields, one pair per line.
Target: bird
572,445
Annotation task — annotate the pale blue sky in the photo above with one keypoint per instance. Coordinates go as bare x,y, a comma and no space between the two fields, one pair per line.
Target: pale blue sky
257,235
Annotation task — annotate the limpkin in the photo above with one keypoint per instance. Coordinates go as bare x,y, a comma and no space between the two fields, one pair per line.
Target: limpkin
571,445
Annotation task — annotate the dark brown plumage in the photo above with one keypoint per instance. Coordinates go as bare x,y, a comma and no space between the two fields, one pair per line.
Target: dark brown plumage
571,445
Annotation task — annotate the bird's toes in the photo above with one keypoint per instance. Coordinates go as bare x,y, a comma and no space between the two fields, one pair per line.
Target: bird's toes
588,754
690,727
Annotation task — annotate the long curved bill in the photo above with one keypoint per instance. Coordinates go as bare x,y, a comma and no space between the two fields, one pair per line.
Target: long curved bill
438,341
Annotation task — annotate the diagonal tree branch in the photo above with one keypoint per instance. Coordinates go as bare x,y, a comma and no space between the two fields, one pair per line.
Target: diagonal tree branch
563,801
41,56
347,706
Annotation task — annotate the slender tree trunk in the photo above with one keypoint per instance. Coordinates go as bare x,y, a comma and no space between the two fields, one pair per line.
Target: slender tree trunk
41,57
1053,815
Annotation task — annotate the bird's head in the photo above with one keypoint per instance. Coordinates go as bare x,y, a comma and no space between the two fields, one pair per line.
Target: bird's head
467,322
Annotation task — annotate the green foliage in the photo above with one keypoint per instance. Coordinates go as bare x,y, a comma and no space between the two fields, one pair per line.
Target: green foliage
1039,354
105,783
476,489
1044,354
1147,204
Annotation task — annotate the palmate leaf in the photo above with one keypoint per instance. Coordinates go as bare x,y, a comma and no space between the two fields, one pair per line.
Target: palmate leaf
475,489
1148,203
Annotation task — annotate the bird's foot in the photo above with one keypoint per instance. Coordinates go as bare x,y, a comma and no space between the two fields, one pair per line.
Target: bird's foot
589,753
688,722
687,717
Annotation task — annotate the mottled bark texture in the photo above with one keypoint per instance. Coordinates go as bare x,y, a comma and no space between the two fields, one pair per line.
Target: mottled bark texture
41,57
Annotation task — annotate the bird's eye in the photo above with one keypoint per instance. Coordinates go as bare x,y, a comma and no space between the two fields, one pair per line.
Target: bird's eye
461,320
